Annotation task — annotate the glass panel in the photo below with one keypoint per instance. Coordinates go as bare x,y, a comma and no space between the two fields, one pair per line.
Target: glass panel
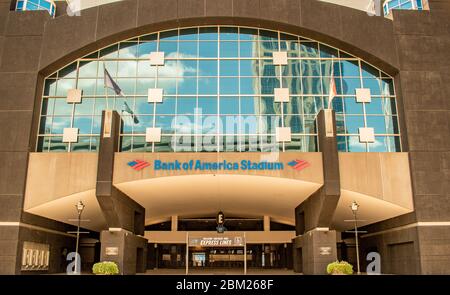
165,123
144,123
144,49
86,107
50,87
47,106
373,85
207,68
165,145
269,84
377,123
353,107
208,33
229,85
295,122
248,49
350,85
170,49
187,86
45,125
56,145
83,144
88,69
229,105
128,50
249,86
309,49
208,49
188,50
186,105
249,105
354,145
171,35
188,34
353,123
167,106
229,68
350,68
62,107
228,49
207,86
310,67
207,105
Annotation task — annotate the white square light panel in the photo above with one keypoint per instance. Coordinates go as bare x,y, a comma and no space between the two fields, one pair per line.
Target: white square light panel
366,135
153,135
155,95
157,58
283,134
281,94
363,95
280,58
70,135
73,96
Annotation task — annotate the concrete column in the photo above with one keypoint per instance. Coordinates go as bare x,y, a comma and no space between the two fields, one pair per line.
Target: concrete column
174,223
128,250
266,223
125,217
313,217
314,250
119,210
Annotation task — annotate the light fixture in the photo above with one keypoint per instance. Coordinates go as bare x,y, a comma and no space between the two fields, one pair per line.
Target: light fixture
354,206
80,207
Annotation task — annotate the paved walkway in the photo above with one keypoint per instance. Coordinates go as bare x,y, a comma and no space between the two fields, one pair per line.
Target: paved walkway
220,271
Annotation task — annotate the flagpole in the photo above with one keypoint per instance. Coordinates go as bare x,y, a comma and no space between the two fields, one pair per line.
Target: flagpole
104,85
329,90
110,83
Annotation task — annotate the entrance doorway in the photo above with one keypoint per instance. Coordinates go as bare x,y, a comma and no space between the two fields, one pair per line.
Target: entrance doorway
199,259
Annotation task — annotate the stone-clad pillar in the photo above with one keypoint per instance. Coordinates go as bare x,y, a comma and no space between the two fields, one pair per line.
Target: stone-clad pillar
123,241
315,244
20,45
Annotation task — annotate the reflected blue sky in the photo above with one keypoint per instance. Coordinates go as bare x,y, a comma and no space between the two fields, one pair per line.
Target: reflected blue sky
220,74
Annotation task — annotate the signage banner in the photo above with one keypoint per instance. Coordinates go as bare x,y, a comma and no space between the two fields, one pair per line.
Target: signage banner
237,241
225,165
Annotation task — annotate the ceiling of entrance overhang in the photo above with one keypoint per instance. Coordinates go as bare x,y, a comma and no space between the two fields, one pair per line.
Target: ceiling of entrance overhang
236,195
200,195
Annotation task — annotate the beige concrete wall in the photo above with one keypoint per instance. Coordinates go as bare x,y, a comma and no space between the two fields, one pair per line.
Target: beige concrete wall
123,173
55,175
385,176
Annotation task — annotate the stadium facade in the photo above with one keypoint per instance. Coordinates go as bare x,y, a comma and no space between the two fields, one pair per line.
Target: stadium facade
229,130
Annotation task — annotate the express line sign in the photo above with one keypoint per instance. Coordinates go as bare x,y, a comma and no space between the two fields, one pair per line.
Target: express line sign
199,165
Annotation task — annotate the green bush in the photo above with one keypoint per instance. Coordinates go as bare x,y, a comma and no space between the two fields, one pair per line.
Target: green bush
342,268
105,268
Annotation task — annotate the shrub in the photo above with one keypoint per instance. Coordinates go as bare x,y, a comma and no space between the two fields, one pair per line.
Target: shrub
342,267
105,268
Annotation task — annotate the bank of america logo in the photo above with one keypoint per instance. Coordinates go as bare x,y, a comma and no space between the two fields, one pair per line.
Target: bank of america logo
138,164
298,164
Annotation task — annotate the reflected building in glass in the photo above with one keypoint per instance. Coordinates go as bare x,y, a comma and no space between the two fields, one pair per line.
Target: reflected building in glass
227,74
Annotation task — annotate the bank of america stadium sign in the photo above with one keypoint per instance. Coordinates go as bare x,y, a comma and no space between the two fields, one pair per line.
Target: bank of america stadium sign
198,165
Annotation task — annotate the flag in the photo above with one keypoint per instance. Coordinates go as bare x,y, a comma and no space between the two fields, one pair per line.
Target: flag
332,88
110,83
127,109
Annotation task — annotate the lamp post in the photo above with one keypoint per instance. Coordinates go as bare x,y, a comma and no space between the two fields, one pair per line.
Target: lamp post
80,207
354,206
